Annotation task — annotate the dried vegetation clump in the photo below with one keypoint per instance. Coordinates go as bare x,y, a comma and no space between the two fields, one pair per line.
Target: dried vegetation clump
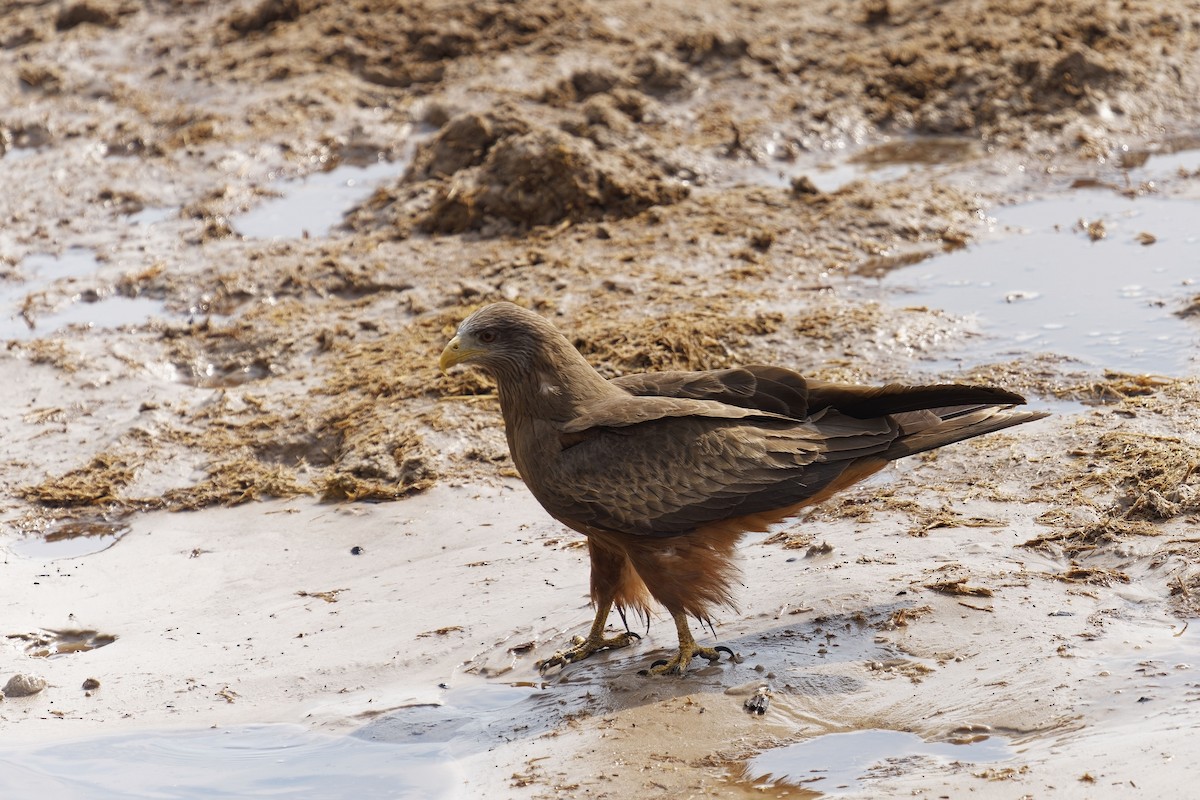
347,440
959,586
338,453
1154,477
1053,376
1128,483
1076,540
98,483
233,481
674,341
402,365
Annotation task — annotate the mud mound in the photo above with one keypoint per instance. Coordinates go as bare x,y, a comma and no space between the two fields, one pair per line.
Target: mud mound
463,142
500,172
544,177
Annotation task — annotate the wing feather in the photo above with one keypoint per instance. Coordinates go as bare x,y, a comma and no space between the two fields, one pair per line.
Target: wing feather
622,411
679,473
763,388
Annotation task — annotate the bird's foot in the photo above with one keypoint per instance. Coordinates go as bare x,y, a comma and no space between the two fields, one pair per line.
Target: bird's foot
679,664
585,647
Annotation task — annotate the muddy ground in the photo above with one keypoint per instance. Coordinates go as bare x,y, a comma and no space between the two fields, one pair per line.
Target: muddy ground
650,177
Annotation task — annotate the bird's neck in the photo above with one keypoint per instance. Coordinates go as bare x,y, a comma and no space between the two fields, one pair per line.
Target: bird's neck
553,389
539,398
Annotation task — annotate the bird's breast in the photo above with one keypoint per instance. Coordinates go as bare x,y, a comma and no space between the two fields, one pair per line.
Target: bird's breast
535,447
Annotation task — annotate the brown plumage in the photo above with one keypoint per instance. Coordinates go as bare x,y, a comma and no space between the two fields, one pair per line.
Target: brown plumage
664,472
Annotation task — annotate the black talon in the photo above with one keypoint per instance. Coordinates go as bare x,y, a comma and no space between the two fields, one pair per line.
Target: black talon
637,636
625,621
659,663
723,649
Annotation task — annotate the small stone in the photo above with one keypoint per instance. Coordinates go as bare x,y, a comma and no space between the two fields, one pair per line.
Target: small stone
24,685
91,684
802,185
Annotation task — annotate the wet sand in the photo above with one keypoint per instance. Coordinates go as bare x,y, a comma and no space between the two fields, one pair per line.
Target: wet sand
237,492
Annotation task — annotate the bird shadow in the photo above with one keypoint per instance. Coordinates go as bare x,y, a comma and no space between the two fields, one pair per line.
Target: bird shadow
797,657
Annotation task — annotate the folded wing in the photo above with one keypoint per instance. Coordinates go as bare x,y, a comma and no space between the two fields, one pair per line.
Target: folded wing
686,449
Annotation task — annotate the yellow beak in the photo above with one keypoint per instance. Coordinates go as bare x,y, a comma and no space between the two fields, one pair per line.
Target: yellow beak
454,353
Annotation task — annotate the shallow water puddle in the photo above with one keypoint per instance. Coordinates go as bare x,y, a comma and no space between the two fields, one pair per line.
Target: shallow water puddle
87,308
1173,155
839,763
313,205
152,215
410,752
51,643
70,539
1174,161
278,761
468,720
1113,302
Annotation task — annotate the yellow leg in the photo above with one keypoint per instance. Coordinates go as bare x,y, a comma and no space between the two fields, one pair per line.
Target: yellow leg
594,642
687,650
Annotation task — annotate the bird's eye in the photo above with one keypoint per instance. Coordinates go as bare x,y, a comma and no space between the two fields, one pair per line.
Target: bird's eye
487,336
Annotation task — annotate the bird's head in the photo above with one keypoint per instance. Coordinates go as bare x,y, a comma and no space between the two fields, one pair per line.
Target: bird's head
502,338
